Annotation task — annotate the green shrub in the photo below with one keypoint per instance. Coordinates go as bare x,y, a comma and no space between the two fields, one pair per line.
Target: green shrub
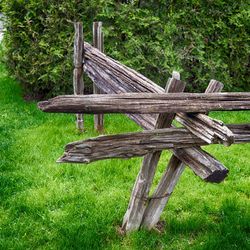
201,39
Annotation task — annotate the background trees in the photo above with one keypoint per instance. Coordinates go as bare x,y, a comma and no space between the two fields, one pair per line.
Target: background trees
202,39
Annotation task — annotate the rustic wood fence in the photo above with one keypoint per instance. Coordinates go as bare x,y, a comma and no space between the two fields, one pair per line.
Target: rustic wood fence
119,89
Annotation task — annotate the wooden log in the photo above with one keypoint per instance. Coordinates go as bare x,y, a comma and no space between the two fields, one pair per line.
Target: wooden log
241,133
137,205
214,172
172,174
141,143
163,192
208,129
99,44
147,103
78,70
113,77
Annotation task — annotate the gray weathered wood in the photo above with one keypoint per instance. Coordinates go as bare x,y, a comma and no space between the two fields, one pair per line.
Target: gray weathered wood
137,205
78,70
163,192
173,172
208,129
112,77
147,103
214,172
99,44
141,143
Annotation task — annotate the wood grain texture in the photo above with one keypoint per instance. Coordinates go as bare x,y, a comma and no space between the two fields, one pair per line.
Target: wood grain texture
98,43
147,103
208,129
137,205
78,70
163,192
141,143
172,174
112,77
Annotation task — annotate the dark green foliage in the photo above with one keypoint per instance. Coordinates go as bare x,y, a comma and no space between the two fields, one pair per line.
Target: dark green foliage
201,39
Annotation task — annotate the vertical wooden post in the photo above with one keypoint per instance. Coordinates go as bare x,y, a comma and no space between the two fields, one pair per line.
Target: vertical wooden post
99,44
78,70
169,179
139,196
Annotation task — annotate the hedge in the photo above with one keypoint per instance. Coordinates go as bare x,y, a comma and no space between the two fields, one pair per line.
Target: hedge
201,39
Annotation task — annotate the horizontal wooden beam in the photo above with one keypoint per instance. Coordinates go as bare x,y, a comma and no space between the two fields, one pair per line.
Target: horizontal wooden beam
147,103
140,143
180,140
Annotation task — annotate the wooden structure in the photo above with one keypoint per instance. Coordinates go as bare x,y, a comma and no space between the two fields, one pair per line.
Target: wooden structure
154,109
78,70
99,44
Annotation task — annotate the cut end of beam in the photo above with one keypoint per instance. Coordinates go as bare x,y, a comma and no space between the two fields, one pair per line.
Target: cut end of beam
69,159
42,105
217,176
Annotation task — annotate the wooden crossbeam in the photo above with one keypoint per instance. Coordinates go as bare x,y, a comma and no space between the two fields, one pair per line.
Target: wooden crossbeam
140,143
147,103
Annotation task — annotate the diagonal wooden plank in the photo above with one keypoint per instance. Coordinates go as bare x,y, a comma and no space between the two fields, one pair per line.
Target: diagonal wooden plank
137,205
173,172
208,129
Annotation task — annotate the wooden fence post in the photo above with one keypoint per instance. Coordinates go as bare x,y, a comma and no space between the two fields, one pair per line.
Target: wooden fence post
139,196
169,179
78,83
99,44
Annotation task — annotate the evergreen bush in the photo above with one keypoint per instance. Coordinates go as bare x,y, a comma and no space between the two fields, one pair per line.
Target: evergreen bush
201,39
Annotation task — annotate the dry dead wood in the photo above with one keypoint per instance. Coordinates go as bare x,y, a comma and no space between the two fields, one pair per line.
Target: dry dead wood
140,143
99,44
137,205
78,70
147,103
174,170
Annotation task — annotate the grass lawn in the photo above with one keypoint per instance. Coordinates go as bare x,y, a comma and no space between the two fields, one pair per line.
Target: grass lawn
45,205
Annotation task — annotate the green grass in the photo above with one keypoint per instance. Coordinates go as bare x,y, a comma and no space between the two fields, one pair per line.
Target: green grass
45,205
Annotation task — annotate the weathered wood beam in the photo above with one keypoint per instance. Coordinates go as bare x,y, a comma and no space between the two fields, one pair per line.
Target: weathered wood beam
137,205
206,128
147,103
164,189
173,172
141,143
112,77
99,44
78,70
202,167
